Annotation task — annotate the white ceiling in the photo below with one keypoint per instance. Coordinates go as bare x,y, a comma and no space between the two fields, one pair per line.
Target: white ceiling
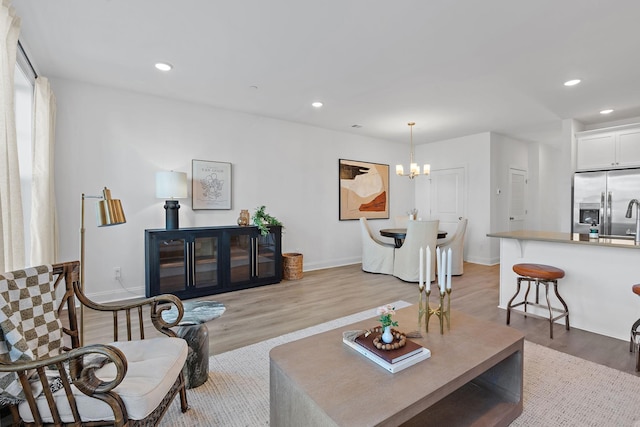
455,67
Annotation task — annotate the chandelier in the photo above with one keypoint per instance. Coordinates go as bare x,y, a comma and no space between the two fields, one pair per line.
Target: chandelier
414,169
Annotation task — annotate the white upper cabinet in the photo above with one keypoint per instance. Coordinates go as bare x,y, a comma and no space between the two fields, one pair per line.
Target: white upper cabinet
628,147
608,148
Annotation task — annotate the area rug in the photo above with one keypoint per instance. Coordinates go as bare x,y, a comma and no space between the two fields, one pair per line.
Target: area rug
559,389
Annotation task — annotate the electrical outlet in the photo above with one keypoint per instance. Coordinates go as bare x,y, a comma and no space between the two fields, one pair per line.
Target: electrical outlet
116,273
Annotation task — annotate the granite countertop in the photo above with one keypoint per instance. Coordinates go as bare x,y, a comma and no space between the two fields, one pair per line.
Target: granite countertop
560,237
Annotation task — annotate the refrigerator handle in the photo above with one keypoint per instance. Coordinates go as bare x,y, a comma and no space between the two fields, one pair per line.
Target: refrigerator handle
609,200
602,219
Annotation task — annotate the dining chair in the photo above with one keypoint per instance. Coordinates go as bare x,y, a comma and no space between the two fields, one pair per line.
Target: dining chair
456,243
401,221
420,234
377,256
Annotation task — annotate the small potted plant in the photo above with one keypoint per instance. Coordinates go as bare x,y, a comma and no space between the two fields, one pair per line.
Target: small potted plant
385,312
263,220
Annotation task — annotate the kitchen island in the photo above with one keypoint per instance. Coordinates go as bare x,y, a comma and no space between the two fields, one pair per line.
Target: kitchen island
599,274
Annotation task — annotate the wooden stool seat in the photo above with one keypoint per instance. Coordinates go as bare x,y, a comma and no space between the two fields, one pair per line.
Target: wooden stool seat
634,345
539,271
539,274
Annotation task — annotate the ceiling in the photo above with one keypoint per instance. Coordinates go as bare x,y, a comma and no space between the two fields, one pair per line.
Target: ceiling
455,67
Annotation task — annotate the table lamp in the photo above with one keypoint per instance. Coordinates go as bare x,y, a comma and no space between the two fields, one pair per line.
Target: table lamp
108,212
171,185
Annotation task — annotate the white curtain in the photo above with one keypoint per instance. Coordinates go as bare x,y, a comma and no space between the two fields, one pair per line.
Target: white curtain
44,224
11,218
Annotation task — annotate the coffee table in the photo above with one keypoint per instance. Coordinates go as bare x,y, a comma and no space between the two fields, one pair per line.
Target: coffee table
474,377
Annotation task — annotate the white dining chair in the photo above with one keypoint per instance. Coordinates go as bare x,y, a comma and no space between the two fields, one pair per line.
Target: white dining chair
456,243
420,234
377,256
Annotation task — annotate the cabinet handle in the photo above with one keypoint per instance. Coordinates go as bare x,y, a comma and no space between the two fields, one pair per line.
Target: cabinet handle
193,263
255,258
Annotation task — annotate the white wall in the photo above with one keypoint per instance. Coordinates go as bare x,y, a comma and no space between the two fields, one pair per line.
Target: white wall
119,139
472,152
506,153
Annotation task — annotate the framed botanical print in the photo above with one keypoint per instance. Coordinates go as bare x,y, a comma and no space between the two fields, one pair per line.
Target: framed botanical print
364,190
211,185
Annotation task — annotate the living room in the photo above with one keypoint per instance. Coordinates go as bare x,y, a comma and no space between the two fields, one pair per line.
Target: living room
115,134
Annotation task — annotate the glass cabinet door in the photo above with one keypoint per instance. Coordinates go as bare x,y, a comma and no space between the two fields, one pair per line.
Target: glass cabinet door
265,256
240,258
205,262
172,265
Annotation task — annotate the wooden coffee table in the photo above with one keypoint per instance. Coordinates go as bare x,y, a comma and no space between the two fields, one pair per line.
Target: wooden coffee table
474,377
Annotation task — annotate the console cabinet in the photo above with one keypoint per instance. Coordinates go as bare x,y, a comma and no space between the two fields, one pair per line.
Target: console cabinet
193,262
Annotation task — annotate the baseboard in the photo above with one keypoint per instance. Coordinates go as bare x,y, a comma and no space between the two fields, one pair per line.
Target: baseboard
117,295
483,261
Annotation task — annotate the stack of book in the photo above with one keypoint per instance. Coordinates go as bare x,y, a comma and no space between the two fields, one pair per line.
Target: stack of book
392,360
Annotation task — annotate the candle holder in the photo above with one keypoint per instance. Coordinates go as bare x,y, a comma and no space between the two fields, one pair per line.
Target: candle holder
444,314
421,309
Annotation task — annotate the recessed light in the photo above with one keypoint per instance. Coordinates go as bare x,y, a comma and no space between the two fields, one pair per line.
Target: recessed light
316,104
572,82
164,66
607,111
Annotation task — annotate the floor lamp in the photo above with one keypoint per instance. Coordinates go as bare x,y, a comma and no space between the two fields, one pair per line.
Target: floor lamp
108,212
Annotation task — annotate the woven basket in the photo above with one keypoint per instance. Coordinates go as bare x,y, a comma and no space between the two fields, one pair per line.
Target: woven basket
292,266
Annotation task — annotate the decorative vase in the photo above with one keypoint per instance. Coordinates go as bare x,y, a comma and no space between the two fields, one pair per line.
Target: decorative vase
243,219
387,336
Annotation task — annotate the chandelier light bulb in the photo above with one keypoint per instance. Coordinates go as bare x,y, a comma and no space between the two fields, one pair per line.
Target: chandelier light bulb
414,169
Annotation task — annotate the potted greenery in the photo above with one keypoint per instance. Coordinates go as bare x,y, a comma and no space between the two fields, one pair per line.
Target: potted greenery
263,220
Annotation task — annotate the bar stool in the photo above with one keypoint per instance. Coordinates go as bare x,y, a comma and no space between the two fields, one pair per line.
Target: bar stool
539,274
633,344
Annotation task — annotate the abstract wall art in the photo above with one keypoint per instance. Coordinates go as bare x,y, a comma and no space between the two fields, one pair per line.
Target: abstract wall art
364,190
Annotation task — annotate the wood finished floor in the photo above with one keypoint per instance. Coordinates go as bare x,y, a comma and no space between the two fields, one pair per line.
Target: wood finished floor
253,315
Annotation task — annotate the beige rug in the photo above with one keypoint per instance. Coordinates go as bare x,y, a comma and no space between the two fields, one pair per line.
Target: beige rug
559,389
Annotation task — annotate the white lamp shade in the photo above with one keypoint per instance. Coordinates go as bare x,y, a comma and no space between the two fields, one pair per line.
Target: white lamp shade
399,170
171,185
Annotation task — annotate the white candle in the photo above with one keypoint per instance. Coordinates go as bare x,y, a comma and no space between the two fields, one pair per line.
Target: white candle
449,269
439,266
421,267
444,271
428,268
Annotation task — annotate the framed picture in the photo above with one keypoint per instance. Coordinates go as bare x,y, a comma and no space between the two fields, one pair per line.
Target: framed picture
211,185
364,190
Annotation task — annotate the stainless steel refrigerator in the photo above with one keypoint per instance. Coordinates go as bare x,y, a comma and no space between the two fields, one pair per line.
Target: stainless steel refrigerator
603,197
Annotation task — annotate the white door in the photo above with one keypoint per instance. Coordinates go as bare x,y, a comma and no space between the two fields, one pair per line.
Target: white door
517,194
447,196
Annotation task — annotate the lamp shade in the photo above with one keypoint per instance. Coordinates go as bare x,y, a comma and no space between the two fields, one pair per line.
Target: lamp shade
171,185
109,211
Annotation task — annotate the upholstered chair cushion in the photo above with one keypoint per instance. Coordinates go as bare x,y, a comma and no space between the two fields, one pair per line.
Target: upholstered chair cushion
377,256
456,243
142,389
420,234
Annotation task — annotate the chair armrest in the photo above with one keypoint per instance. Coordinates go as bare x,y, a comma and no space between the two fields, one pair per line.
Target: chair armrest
79,372
156,305
82,373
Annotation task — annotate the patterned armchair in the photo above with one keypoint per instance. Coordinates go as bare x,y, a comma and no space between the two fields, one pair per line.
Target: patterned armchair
47,378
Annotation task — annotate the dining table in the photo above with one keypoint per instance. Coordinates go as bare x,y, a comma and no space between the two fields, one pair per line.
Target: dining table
399,234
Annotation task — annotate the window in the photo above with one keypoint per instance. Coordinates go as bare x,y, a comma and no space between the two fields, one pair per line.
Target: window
24,87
